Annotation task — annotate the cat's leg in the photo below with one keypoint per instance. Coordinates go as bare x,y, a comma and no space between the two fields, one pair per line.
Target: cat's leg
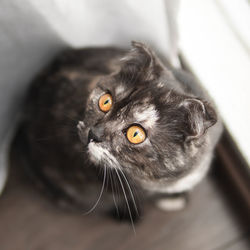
172,202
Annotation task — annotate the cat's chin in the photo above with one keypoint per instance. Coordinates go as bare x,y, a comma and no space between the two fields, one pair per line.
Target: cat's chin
100,155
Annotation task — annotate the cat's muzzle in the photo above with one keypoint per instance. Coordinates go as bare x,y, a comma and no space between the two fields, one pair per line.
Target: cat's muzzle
95,134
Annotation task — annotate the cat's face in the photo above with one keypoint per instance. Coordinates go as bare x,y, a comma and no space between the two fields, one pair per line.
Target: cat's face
135,122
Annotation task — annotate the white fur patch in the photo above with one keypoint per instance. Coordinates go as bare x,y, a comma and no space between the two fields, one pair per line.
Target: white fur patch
100,155
148,116
171,204
160,85
81,125
188,182
119,90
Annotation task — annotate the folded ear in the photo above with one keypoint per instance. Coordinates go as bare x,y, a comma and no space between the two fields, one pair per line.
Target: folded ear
199,115
141,62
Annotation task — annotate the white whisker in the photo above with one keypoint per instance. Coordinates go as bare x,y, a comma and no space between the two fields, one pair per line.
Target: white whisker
100,195
126,199
113,191
130,190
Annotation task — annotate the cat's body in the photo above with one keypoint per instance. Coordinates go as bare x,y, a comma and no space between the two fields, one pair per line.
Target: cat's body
70,159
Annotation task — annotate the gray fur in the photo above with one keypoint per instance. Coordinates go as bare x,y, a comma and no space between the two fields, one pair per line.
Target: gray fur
180,121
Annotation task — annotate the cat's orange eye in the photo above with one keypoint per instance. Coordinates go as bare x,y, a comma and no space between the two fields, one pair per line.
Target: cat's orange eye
136,134
105,102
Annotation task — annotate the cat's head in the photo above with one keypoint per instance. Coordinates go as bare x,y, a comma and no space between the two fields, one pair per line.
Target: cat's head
138,121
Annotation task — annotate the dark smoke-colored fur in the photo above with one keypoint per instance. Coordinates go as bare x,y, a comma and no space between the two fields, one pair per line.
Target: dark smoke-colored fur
180,121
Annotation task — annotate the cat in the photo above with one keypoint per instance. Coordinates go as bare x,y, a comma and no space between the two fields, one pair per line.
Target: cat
117,126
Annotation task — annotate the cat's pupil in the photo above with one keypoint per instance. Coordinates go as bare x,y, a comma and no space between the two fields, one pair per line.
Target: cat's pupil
106,102
135,134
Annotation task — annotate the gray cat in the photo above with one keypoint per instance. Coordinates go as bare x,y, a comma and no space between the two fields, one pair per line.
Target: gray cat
118,124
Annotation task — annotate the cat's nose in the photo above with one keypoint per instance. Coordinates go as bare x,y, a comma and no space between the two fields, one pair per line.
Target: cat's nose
96,134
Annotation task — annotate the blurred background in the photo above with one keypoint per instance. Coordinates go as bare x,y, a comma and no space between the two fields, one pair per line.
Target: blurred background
211,37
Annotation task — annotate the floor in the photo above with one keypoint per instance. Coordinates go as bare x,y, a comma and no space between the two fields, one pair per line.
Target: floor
214,219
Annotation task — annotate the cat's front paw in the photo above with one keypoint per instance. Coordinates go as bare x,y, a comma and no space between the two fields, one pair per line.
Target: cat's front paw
172,203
